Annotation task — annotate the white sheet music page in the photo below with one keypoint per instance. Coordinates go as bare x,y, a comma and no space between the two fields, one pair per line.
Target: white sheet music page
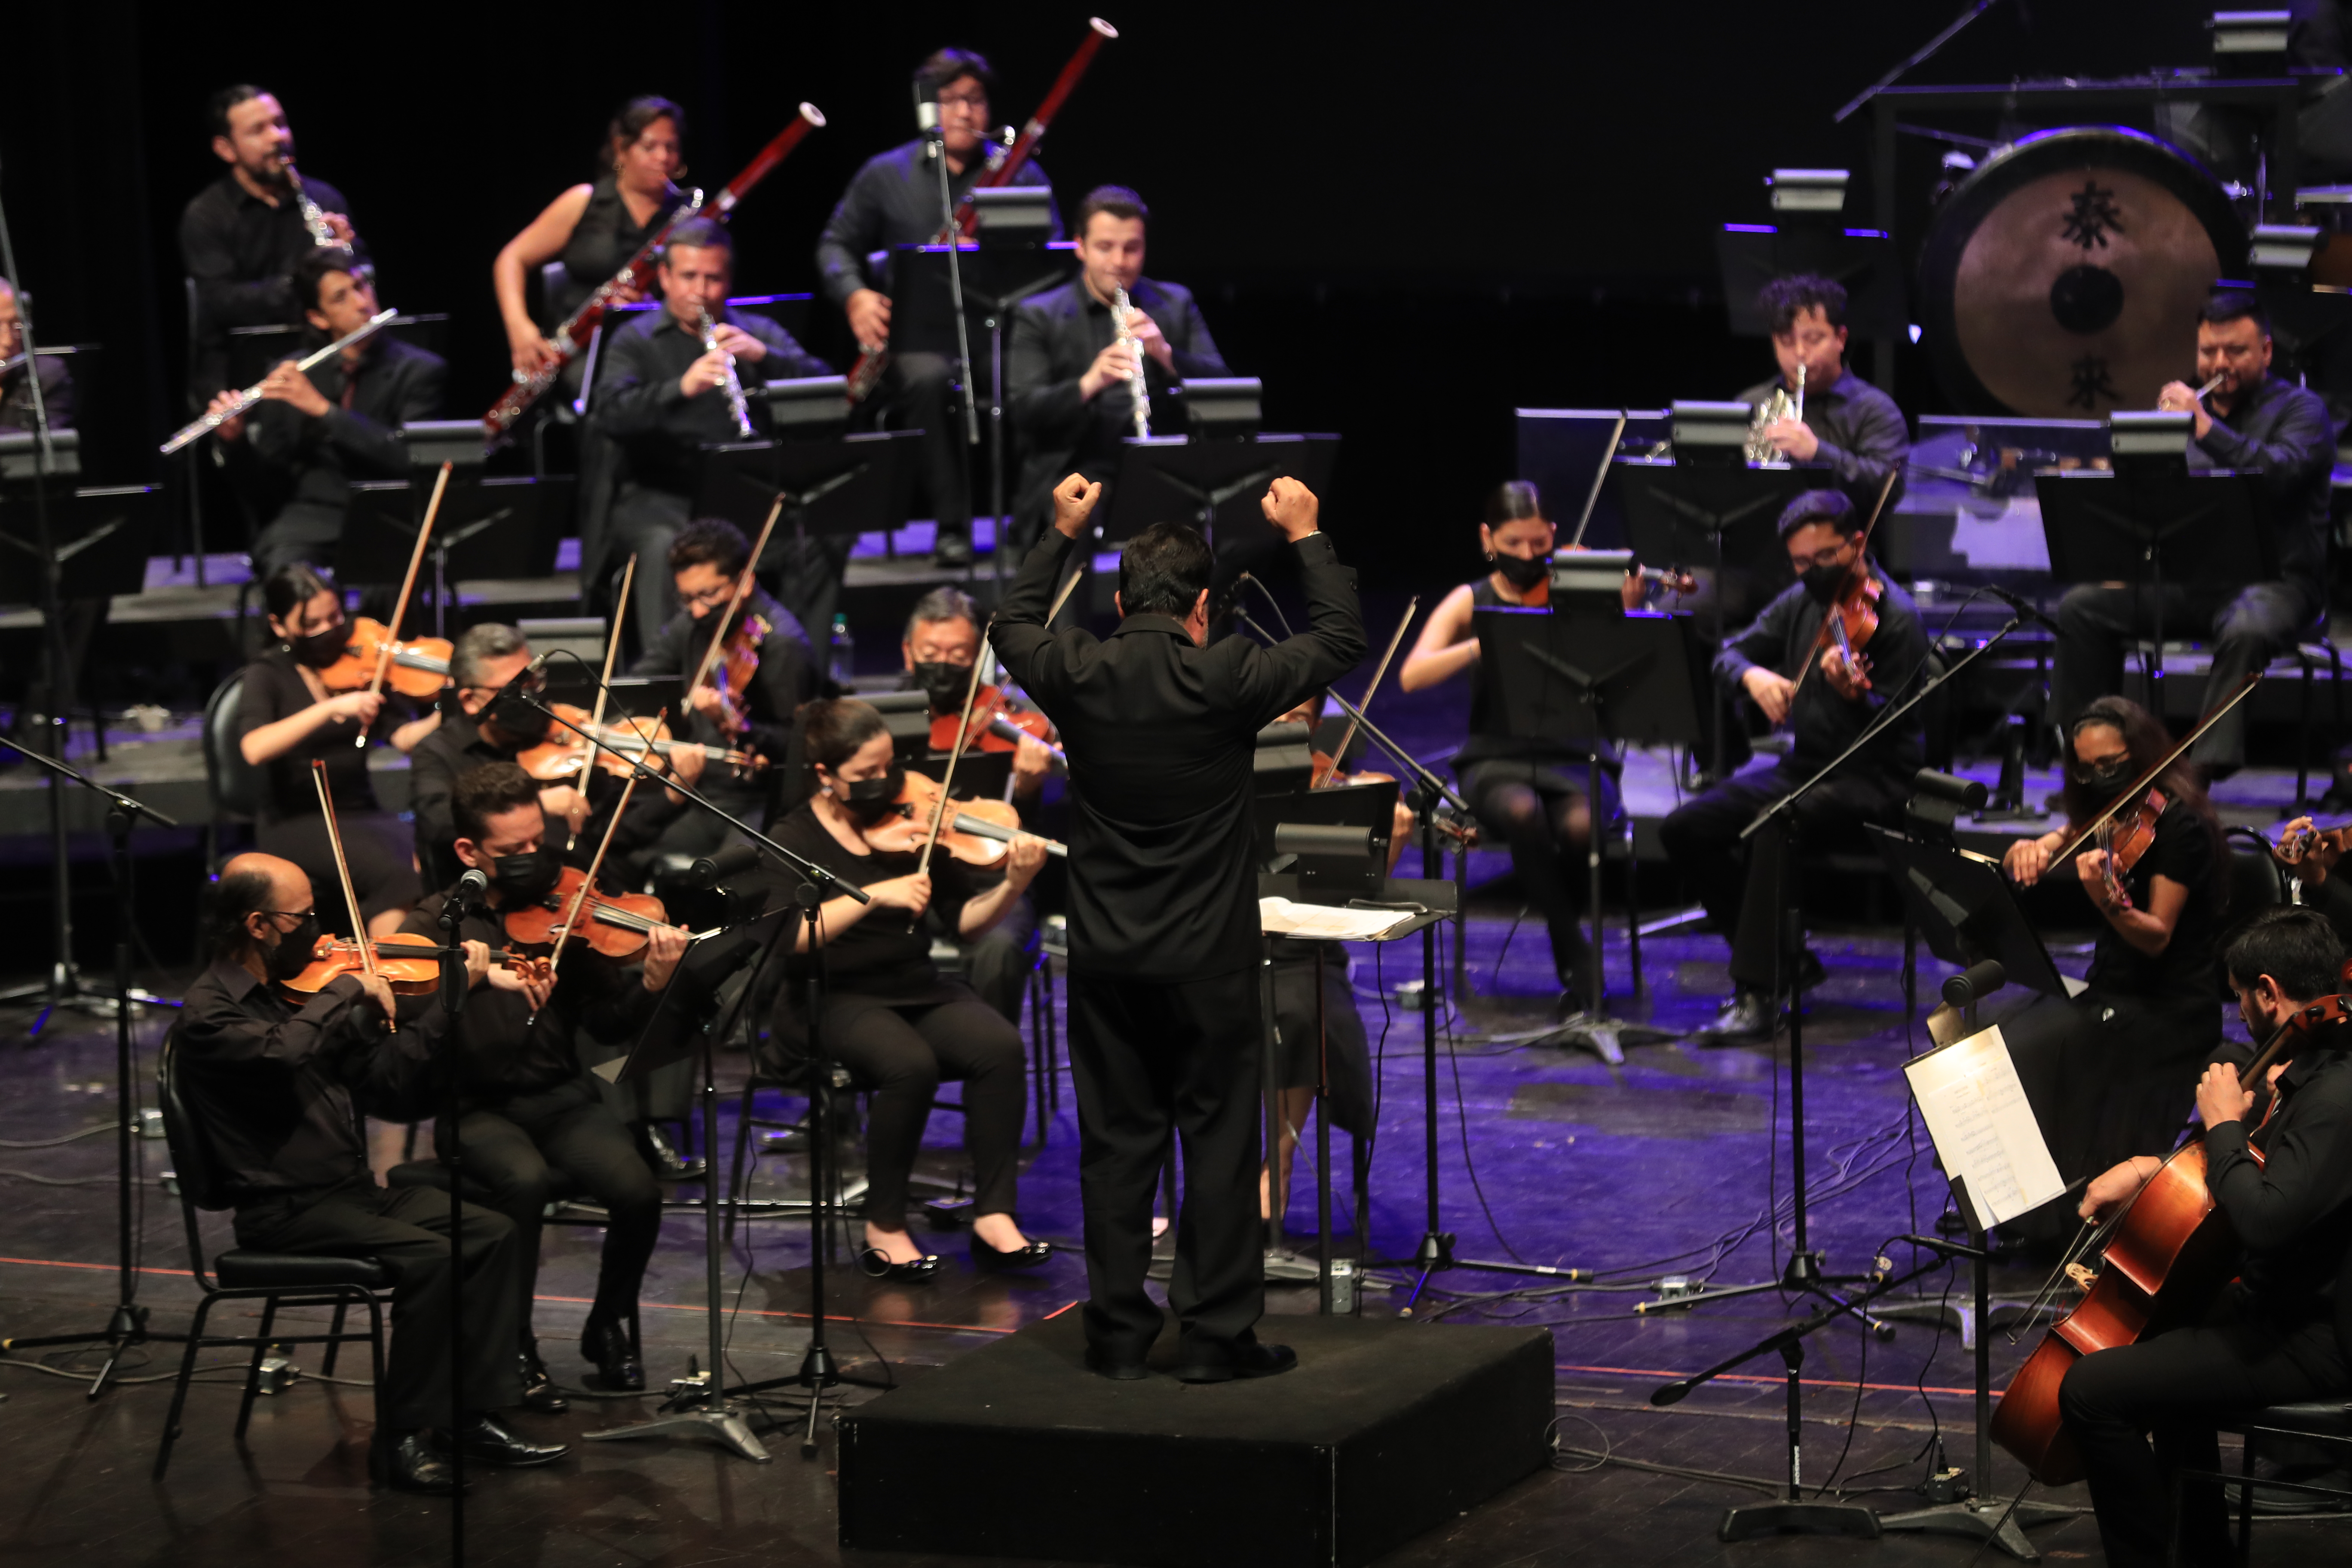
1984,1129
1326,923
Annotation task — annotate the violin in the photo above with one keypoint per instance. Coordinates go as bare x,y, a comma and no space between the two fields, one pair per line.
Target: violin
613,925
2132,801
564,753
1852,619
2125,837
996,725
417,669
409,973
2167,1254
731,674
2307,851
976,832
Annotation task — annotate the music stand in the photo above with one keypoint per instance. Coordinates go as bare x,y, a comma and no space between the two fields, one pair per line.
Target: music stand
104,534
503,527
830,484
1211,483
1595,676
1961,903
2208,527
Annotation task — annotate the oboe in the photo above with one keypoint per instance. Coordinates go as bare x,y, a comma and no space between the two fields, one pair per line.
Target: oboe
736,408
1121,311
312,218
252,395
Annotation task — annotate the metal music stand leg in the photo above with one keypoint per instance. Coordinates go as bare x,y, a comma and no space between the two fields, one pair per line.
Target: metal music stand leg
1436,1248
1593,1029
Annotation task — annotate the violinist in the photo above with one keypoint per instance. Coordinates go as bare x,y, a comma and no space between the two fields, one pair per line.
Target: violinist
316,432
889,1015
1789,663
527,1107
593,229
272,1081
2279,1167
285,716
1847,424
1530,794
2110,1070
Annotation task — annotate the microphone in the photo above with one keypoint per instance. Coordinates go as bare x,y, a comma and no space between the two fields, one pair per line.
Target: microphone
713,869
926,113
471,887
537,663
2024,607
1224,605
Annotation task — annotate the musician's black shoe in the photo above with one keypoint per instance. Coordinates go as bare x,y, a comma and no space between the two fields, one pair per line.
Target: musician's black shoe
1811,971
952,547
876,1264
408,1462
1250,1360
605,1342
1748,1016
1103,1364
988,1259
2313,1473
487,1443
539,1394
668,1163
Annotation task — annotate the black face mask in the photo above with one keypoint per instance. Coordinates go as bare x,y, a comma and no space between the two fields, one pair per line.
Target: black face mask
526,876
2106,779
292,954
871,800
1522,572
320,649
1822,582
517,719
944,684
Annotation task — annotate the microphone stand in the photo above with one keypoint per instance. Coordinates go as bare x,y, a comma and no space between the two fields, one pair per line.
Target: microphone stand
455,987
935,147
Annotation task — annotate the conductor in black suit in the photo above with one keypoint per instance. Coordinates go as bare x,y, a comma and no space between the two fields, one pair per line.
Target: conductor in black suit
1161,731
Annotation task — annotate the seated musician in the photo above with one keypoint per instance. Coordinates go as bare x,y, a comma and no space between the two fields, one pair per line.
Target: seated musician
270,1081
940,645
16,380
1849,425
527,1106
1825,699
2279,1166
894,200
241,236
662,397
340,422
2252,421
889,1015
1528,793
706,561
593,229
1067,375
2112,1069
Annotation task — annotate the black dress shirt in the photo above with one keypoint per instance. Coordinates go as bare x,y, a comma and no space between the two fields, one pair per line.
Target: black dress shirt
274,1084
1822,722
2283,431
2293,1212
1161,736
893,199
1861,433
785,680
359,436
458,746
56,396
2184,973
274,689
1055,339
658,428
501,1054
884,954
241,253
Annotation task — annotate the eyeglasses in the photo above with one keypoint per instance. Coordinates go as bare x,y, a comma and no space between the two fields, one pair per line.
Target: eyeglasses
966,99
709,598
298,918
1818,558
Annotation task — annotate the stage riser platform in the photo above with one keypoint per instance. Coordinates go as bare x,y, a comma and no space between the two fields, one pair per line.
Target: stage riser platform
1384,1431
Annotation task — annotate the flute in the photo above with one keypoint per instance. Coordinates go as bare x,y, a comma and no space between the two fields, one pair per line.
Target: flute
1121,311
252,395
737,408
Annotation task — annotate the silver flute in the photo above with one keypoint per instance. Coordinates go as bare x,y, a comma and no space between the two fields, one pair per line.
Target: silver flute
1120,312
736,409
312,218
252,395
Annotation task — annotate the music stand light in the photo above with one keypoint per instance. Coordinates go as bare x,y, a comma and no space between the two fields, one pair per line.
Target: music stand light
1709,435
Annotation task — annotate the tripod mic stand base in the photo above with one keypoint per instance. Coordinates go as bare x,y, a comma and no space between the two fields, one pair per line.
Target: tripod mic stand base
1984,1519
1825,1518
1603,1035
721,1421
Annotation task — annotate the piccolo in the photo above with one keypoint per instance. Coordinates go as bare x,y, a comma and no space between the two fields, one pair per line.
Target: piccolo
252,395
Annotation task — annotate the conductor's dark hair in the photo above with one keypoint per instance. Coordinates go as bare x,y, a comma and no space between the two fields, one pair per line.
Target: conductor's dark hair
216,109
1513,501
2225,305
491,790
833,728
1116,200
234,898
291,586
713,542
944,67
1783,299
2147,740
310,274
1833,507
1164,570
2295,946
631,122
699,234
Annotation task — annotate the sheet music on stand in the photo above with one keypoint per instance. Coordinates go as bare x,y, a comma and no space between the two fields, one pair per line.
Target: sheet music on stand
1983,1128
1327,922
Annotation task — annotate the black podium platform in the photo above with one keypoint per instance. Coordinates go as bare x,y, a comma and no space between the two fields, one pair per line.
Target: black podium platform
1385,1430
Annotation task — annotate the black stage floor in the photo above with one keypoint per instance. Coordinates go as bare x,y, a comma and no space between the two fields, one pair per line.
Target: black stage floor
1665,1166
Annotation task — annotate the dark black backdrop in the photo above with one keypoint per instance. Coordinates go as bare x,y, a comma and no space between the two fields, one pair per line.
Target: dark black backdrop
1408,222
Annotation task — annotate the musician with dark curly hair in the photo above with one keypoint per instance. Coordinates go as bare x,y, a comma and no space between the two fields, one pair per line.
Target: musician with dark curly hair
1849,425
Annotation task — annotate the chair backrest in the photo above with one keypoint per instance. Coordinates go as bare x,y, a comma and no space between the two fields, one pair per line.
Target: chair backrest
2253,880
192,1156
554,278
234,783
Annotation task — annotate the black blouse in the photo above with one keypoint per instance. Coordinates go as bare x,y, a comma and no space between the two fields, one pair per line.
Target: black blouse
274,689
2185,970
603,241
881,956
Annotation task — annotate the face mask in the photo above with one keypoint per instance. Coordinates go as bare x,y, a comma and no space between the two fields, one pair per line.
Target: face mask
1523,571
1822,582
944,684
2107,777
319,649
292,954
517,719
871,800
526,876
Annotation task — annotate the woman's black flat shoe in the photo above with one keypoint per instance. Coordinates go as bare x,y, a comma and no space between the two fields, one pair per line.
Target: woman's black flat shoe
876,1264
1028,1255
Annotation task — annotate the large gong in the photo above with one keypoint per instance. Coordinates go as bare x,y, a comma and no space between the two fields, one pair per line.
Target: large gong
2063,279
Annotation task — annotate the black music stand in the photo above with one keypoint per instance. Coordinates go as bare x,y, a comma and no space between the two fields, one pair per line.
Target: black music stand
505,527
1211,484
1748,255
830,484
2205,527
1594,677
1961,903
104,534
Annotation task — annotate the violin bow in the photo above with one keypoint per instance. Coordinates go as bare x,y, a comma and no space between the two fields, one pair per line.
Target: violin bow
955,753
742,587
612,643
1347,735
1861,561
1599,478
407,586
2130,796
580,898
343,867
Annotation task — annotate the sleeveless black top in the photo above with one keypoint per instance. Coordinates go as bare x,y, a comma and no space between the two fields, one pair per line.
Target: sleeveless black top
604,239
1487,741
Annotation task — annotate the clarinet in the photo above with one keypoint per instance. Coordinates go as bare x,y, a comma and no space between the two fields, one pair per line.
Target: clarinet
736,408
1121,311
312,218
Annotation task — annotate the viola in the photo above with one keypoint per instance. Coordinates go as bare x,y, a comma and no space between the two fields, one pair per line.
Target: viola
997,726
976,832
2167,1253
409,973
417,669
615,925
